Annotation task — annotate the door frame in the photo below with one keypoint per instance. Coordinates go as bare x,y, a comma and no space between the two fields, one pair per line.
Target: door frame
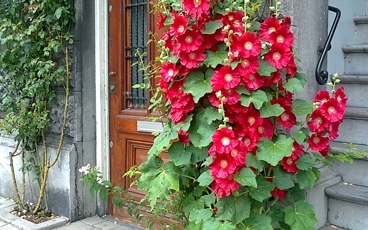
102,93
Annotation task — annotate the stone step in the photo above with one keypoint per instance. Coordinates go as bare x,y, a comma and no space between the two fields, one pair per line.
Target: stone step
329,226
348,206
356,59
355,173
354,128
361,29
355,88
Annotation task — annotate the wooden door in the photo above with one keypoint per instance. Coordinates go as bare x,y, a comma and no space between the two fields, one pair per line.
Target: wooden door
129,26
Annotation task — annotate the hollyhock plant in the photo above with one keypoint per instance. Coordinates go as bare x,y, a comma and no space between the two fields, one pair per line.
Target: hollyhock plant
236,140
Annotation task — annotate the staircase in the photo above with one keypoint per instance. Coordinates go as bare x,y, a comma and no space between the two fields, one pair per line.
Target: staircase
348,201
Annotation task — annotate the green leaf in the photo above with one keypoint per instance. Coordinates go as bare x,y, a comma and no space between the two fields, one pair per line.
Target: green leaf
217,224
189,204
295,194
159,181
299,137
246,177
271,110
273,152
197,85
118,201
200,132
263,190
302,107
257,221
306,179
294,85
209,200
178,154
199,215
282,179
198,154
233,208
265,69
211,27
205,178
242,90
104,193
252,161
256,97
212,114
58,12
305,162
184,125
302,77
302,217
215,58
163,140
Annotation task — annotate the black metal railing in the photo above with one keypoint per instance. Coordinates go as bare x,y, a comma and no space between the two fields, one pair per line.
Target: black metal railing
322,75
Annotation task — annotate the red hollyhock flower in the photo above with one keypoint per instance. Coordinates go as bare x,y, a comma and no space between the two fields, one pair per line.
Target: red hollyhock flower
234,20
183,136
291,67
189,41
287,120
168,40
231,97
324,152
247,66
224,140
268,26
254,81
239,154
317,142
168,71
322,96
196,7
278,56
251,119
333,129
283,35
266,129
340,96
248,44
286,22
317,122
192,59
332,110
179,25
161,20
289,163
222,166
177,115
278,193
224,186
274,78
225,78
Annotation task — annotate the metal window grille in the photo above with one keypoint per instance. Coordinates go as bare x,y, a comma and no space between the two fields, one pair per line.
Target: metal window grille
136,47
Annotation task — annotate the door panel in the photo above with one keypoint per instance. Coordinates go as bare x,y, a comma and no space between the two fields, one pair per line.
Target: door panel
129,26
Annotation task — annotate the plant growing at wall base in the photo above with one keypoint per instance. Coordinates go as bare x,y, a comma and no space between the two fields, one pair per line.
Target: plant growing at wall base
242,148
34,60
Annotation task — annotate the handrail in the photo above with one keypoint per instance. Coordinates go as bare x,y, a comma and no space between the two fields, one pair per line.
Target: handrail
322,75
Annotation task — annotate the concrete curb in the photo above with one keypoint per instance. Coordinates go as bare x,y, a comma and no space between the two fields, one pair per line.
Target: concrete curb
7,217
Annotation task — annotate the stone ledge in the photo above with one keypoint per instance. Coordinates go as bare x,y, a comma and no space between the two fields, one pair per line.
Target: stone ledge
349,192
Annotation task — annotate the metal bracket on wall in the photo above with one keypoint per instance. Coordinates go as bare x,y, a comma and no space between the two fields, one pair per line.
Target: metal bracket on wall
322,75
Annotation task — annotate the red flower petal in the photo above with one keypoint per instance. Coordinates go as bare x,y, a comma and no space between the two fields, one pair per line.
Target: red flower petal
317,142
278,56
248,44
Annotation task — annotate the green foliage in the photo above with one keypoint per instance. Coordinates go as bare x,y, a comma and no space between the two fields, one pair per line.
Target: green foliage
34,39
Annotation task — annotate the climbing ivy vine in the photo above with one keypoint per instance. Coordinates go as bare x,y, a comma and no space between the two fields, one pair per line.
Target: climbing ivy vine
35,36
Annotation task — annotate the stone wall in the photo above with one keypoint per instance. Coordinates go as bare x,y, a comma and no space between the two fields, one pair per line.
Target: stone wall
65,193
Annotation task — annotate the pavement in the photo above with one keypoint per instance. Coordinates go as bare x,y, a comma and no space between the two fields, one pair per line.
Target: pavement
9,221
